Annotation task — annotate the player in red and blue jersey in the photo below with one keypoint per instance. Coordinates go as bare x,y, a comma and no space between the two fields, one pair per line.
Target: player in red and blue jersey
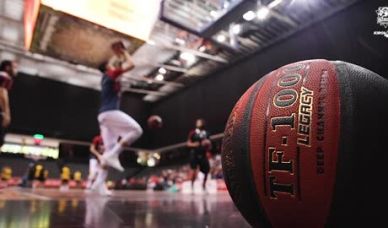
114,124
96,150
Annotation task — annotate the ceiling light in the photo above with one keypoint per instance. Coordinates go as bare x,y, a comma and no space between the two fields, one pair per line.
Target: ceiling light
180,41
151,162
176,62
151,42
262,13
221,38
248,16
226,4
162,70
188,57
214,14
159,77
274,3
157,156
236,29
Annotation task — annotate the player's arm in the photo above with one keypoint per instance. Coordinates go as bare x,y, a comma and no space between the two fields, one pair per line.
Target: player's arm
94,151
128,63
126,66
4,105
210,146
190,142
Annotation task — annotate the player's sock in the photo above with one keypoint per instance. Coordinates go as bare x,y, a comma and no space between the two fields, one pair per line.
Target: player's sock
100,179
105,191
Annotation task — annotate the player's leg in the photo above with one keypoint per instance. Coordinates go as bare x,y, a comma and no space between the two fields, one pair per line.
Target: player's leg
129,130
109,138
193,167
99,185
93,170
204,167
194,174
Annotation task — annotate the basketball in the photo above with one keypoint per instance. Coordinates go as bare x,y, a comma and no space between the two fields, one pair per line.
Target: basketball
304,146
154,122
207,144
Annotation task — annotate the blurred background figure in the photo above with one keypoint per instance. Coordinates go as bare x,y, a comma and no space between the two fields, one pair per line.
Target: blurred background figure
199,143
6,175
28,176
96,149
65,178
7,73
39,176
78,179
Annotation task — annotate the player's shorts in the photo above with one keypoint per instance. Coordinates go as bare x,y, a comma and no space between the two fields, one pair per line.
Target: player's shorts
199,160
41,178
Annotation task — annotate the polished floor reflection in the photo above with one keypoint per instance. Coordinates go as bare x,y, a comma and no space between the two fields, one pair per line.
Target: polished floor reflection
52,208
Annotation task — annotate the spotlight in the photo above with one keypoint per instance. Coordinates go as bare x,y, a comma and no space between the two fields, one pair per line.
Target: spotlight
262,13
162,70
141,158
188,57
221,38
180,41
159,77
151,42
236,29
248,16
274,3
151,162
156,155
202,48
214,14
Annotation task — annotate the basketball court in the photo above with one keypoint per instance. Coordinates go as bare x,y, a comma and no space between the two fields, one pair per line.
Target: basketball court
52,208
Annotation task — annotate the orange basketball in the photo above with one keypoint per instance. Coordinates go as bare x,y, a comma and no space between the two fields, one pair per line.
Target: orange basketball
305,146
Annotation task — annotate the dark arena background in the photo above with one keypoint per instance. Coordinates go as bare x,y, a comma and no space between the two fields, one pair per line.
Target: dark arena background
192,60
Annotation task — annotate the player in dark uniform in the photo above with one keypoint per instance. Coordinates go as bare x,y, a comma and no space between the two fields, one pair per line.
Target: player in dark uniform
7,73
198,142
114,123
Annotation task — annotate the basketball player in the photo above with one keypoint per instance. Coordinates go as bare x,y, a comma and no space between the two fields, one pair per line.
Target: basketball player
96,150
78,178
65,178
38,174
198,142
7,73
114,123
